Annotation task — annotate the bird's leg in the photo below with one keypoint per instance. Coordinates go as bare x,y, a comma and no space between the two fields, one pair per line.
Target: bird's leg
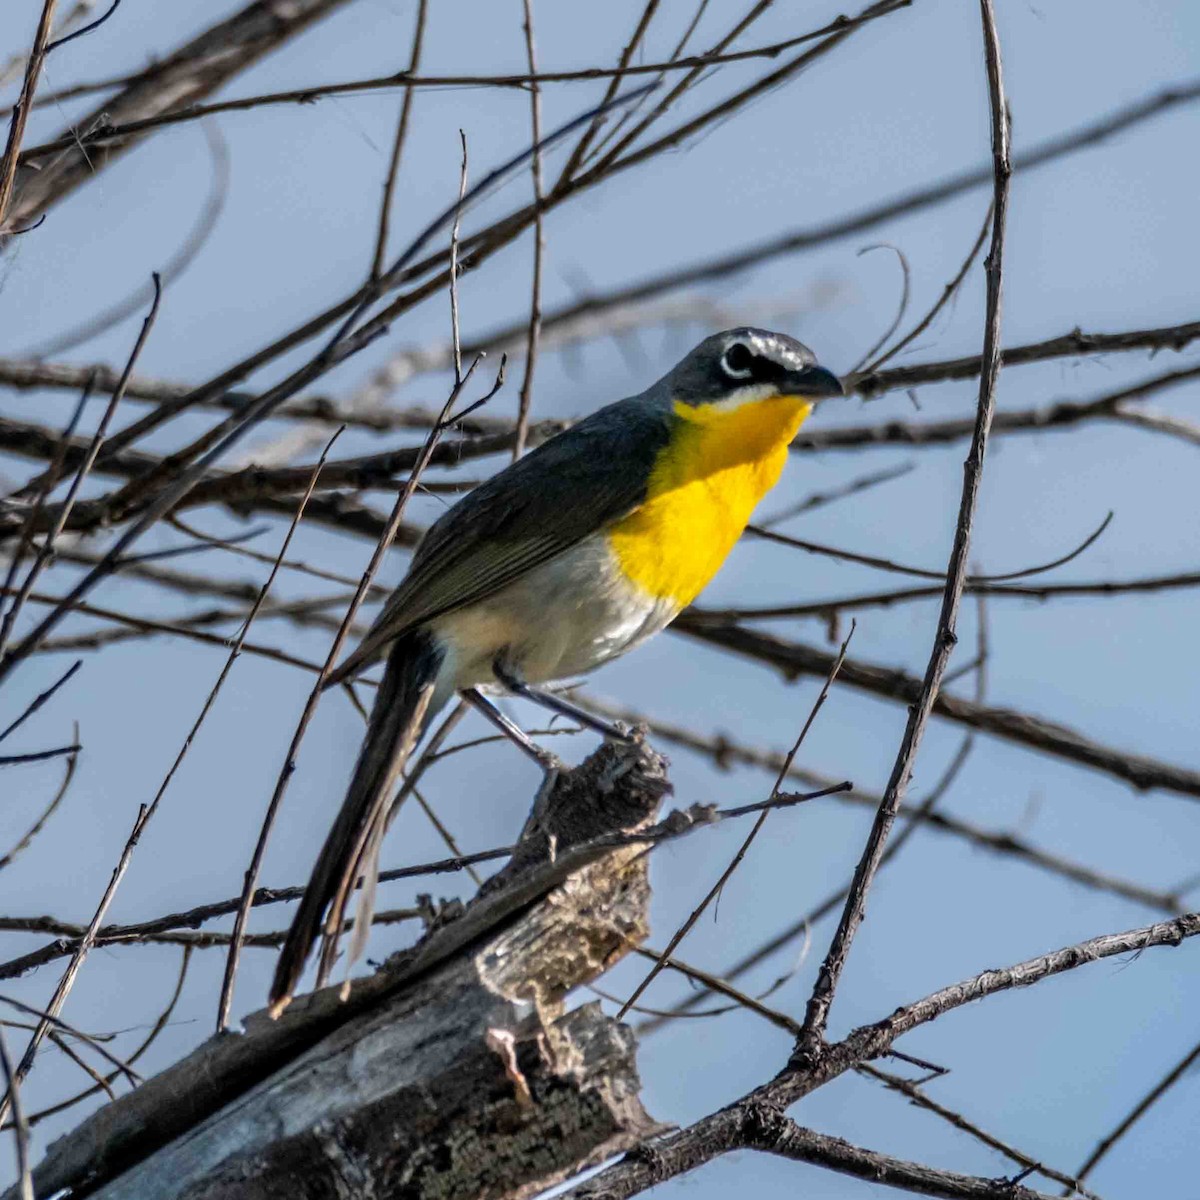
547,761
557,704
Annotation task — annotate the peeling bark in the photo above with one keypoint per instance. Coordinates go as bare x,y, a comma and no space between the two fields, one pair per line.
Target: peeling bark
453,1071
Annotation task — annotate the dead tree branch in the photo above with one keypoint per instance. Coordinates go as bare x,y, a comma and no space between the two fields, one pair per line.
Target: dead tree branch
483,993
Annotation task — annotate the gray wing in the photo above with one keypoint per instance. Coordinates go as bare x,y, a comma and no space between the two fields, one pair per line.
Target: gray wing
560,493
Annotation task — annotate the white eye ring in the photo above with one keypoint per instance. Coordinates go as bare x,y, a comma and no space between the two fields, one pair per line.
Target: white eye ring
737,372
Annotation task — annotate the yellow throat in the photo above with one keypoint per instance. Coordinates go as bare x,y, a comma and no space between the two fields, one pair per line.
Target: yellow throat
704,486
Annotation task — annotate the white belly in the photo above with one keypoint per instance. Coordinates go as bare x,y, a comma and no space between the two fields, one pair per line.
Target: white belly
563,618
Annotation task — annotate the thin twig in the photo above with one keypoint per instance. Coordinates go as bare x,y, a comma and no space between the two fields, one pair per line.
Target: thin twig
50,1017
1045,591
49,479
901,308
851,488
239,640
539,241
462,191
46,813
941,302
886,564
623,68
631,112
735,862
792,1141
918,1097
389,186
65,1047
33,639
159,1025
1139,1110
817,1013
37,702
692,75
78,33
196,239
20,114
741,1123
335,649
20,1126
95,1041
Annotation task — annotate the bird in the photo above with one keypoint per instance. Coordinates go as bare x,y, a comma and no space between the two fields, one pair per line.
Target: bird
572,555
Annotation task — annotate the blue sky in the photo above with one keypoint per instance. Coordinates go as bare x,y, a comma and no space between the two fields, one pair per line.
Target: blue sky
1104,240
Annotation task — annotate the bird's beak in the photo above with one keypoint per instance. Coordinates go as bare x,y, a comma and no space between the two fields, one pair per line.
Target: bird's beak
813,383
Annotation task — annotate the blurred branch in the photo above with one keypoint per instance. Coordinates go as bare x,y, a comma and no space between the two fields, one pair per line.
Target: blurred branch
722,266
159,1025
1022,728
533,340
1140,1109
1044,591
195,70
726,752
252,485
389,186
17,123
1073,344
102,129
1158,422
918,1097
195,241
19,1124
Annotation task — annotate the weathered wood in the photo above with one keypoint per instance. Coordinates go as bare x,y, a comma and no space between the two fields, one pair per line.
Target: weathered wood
451,1072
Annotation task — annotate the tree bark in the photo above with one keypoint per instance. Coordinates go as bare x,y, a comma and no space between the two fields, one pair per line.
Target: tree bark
453,1071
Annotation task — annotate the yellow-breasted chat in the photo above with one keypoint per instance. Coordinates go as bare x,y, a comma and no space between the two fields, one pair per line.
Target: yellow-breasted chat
567,558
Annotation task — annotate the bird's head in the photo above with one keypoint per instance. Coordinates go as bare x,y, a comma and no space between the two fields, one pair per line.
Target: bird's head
746,365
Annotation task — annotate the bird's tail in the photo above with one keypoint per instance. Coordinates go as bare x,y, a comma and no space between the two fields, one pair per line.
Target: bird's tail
398,718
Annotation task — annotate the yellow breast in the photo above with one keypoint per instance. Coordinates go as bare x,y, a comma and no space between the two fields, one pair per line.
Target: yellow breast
703,488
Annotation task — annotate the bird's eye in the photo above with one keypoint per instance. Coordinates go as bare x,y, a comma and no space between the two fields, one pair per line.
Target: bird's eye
738,361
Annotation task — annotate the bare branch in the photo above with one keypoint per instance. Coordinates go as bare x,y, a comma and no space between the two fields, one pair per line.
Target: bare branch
785,1138
195,70
735,862
20,1126
1139,1110
677,1153
389,187
1022,728
539,240
20,116
816,1016
922,1100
